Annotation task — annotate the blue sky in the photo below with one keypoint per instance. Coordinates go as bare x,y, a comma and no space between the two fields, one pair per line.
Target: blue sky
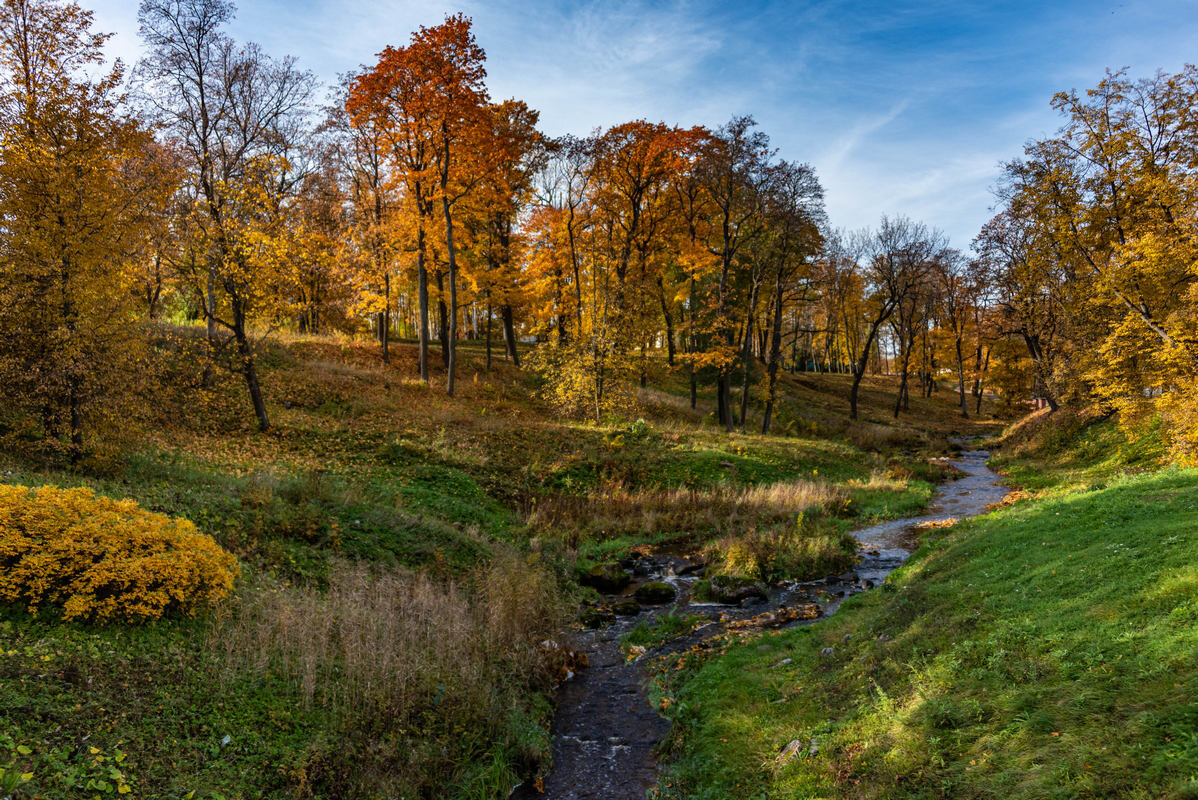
903,108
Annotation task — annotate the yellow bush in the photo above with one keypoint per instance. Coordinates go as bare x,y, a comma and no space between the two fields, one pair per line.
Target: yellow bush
102,559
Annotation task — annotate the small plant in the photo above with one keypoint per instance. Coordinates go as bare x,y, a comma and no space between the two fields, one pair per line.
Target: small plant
13,777
650,633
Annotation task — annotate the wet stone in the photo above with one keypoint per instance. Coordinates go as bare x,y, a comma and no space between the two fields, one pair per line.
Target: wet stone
626,608
609,577
597,617
655,593
731,590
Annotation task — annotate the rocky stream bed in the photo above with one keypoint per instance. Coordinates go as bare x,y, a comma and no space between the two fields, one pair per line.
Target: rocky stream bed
605,732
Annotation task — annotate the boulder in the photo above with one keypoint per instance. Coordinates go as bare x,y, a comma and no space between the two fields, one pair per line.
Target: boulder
596,617
609,577
655,593
627,608
732,590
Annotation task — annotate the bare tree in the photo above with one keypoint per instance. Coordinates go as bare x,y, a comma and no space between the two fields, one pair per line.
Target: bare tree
796,211
229,107
956,296
898,254
732,170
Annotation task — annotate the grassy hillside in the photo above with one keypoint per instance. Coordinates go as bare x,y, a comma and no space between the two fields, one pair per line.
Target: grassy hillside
1046,650
471,513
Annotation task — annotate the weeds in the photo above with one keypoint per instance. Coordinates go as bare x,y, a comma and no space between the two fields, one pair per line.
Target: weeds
391,651
690,514
662,629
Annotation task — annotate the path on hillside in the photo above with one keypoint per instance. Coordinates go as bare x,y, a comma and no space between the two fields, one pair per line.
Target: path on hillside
605,731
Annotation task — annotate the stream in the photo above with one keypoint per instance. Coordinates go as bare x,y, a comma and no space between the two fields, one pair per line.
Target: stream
605,731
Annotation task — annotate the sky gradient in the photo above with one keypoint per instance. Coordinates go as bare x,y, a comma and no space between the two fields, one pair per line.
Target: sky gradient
903,108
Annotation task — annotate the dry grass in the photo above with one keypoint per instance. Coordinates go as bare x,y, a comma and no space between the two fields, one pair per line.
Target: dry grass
695,514
765,532
877,438
386,652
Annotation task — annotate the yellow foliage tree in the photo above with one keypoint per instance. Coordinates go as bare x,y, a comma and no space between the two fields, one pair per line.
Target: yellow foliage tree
79,188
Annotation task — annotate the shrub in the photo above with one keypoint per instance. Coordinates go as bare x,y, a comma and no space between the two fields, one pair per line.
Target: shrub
102,559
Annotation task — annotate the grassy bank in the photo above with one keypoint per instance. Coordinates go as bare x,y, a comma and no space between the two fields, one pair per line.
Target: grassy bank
472,511
1046,650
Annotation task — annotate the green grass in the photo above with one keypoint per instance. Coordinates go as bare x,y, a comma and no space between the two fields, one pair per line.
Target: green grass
668,626
158,696
1047,650
142,691
1072,451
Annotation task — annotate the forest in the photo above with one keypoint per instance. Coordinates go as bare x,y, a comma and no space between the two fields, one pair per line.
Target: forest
347,430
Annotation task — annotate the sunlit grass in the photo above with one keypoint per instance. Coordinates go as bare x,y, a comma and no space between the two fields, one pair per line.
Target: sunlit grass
1047,650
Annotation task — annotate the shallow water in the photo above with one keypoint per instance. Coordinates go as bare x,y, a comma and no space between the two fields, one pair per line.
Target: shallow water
605,731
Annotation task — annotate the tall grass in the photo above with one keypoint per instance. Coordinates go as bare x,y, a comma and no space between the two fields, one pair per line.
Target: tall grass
767,532
695,513
423,678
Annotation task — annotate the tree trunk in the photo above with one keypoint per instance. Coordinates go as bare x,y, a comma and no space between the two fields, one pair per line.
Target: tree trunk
862,363
977,385
386,321
246,350
489,315
665,312
451,358
509,334
559,306
747,354
442,319
961,379
693,345
904,355
422,295
775,355
724,397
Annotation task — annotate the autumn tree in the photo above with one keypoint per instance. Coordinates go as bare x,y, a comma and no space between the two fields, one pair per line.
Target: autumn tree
81,183
428,101
237,114
453,71
512,152
1093,249
912,267
1030,292
956,291
357,151
389,99
895,265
